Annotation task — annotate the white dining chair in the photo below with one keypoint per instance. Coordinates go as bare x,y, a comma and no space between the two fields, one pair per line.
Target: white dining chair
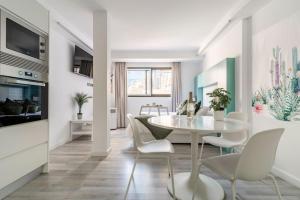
253,164
155,148
228,140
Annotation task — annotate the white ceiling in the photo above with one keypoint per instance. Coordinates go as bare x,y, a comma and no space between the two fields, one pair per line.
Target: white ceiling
148,24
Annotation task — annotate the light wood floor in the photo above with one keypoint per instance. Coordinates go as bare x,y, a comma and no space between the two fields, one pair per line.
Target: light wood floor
75,175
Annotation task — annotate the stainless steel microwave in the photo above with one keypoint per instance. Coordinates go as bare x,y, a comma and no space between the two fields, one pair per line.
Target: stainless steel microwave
21,44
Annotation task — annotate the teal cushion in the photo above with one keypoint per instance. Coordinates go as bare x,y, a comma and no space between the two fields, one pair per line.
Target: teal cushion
197,107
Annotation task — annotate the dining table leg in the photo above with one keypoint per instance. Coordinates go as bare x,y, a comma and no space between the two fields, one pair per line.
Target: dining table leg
194,154
192,185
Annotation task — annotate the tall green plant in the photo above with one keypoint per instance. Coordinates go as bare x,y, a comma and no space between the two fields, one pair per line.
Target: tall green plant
220,99
80,99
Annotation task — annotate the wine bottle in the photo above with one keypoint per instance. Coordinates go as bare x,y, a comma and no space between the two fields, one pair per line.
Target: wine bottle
190,106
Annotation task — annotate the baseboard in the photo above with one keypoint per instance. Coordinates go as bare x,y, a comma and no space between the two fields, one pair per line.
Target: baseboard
58,145
4,192
286,176
101,154
63,142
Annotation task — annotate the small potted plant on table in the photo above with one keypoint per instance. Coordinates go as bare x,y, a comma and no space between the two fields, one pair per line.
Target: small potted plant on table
81,99
220,101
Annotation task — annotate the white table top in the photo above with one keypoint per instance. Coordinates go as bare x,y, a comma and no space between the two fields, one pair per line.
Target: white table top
204,124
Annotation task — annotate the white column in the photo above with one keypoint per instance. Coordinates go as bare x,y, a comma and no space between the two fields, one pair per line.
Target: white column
101,100
247,66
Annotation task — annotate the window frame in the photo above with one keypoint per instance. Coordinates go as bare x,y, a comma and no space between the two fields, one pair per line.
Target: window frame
146,81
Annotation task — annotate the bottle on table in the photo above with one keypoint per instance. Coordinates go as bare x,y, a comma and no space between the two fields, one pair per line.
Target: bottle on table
190,106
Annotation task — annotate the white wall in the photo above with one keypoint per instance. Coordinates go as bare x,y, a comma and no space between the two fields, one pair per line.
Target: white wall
270,30
228,45
148,64
189,70
63,84
152,56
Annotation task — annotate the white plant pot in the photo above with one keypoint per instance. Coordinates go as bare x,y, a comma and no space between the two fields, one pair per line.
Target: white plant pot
219,115
76,69
79,116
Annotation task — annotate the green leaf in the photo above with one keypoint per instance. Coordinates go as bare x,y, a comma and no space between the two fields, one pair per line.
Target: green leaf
220,99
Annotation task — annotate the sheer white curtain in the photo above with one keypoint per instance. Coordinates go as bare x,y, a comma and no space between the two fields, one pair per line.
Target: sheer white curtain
121,93
176,85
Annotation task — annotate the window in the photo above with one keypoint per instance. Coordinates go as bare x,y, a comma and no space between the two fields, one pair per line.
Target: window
149,81
161,82
138,82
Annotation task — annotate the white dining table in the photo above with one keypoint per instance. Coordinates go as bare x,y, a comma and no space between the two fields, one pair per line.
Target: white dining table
205,187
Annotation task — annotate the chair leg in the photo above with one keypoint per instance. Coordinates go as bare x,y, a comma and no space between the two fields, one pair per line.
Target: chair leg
131,176
169,170
233,189
276,187
201,151
170,166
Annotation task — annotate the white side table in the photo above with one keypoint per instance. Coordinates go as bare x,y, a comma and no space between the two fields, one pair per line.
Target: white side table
81,127
157,108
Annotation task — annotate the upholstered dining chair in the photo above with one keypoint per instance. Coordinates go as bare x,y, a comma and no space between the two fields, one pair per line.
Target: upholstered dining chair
228,140
253,164
155,148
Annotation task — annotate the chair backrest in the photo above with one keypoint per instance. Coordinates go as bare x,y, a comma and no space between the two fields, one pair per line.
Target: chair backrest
258,156
136,136
241,136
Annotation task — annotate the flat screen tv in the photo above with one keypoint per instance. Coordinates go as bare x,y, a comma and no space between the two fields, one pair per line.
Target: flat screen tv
83,62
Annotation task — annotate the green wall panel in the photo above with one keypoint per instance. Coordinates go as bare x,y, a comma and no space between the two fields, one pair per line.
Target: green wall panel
222,74
230,73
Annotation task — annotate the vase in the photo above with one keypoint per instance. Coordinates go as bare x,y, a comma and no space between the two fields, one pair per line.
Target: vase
79,116
219,115
76,69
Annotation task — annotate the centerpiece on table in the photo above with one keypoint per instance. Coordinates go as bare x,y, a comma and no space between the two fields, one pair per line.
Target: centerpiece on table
81,99
219,102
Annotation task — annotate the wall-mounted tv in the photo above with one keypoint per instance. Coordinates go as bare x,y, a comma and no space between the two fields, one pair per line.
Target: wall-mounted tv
83,62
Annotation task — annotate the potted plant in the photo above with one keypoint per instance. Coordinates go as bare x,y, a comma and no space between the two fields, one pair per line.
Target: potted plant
220,101
81,99
76,69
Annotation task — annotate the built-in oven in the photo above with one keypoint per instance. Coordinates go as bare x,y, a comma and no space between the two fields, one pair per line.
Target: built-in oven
21,42
23,71
22,100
